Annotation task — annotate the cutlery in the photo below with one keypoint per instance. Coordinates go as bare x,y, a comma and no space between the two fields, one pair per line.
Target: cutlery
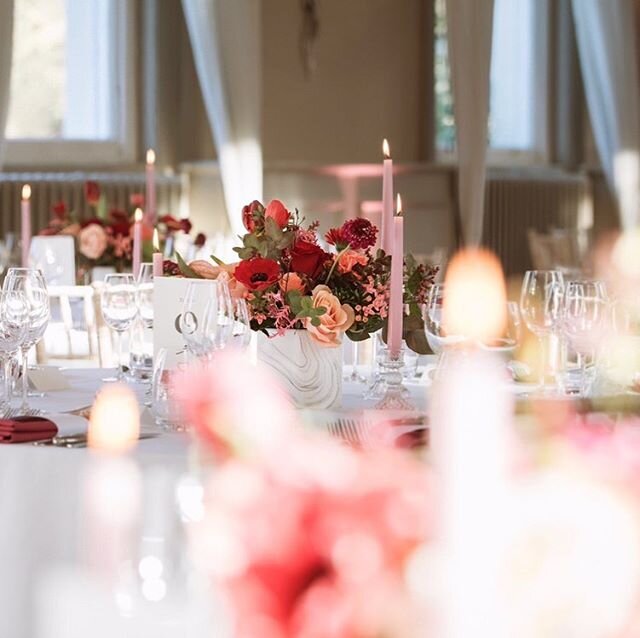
79,440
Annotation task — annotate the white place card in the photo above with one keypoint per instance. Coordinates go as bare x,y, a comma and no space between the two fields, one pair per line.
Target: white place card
55,256
168,296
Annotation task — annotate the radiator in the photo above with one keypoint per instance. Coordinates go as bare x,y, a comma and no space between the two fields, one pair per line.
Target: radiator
49,188
515,203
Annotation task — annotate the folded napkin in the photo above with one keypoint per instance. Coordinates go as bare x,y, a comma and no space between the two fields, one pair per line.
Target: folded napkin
23,429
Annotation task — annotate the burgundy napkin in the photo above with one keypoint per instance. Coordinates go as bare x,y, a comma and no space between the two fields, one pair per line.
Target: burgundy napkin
23,429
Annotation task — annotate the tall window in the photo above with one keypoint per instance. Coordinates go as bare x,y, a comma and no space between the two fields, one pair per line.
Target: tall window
517,104
70,83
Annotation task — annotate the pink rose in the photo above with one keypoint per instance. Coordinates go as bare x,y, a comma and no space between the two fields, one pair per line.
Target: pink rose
337,319
349,259
278,212
92,241
292,281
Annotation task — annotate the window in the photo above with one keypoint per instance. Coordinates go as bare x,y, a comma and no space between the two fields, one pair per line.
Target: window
70,99
518,97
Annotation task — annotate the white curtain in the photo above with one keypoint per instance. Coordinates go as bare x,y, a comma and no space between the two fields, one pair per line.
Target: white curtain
6,45
606,35
225,39
469,30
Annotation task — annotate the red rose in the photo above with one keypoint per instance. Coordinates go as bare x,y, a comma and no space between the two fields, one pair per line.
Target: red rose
136,200
277,211
200,240
252,215
92,192
307,258
59,210
257,273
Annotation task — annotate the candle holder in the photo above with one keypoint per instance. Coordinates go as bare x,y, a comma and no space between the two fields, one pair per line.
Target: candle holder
396,396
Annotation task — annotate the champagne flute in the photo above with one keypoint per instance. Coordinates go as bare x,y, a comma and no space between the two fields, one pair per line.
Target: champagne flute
541,307
119,309
31,283
14,313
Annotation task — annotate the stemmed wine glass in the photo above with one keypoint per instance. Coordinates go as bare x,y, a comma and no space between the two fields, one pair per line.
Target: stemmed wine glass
221,320
507,342
541,307
200,301
583,318
119,309
31,283
433,314
241,330
14,314
144,294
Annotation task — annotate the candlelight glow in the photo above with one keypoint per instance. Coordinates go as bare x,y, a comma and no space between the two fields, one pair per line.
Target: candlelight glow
475,297
151,156
385,149
115,420
156,241
26,191
138,215
399,210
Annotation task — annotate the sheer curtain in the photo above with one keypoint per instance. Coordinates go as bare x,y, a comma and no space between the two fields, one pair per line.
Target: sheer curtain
225,39
469,30
6,44
607,48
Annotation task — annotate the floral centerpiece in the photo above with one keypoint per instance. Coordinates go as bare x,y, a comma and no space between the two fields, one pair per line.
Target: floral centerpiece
310,290
105,236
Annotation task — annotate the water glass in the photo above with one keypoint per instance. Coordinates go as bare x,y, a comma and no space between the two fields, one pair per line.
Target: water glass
165,409
508,341
541,308
31,283
433,314
119,309
14,313
144,294
201,303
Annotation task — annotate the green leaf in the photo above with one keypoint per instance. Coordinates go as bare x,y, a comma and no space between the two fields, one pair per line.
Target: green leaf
184,268
218,261
101,207
294,297
358,336
272,230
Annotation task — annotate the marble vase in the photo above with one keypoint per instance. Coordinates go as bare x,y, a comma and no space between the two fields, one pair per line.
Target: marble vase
311,373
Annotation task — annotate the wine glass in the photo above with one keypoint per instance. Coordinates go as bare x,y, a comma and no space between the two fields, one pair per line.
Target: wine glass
507,342
14,314
31,283
144,294
200,299
241,331
219,320
583,318
119,309
433,314
541,307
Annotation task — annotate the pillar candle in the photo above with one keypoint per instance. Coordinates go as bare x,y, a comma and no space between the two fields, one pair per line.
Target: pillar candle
137,242
396,305
150,197
25,211
386,228
157,255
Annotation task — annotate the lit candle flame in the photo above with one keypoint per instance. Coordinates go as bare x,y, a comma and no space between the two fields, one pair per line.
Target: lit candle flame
156,240
475,296
138,215
26,191
151,156
399,210
115,420
385,149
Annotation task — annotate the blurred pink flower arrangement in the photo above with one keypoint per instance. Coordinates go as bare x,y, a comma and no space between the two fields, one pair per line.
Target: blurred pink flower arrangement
305,537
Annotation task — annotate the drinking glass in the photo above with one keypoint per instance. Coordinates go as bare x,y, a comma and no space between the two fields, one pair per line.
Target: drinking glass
541,307
30,282
507,343
241,331
583,319
119,309
144,294
164,408
14,313
437,336
200,301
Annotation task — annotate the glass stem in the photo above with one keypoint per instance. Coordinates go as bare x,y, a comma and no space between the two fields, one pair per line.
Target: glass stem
7,380
25,380
543,361
119,374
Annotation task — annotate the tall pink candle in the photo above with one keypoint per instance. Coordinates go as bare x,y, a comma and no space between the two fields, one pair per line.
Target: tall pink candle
396,305
25,213
386,228
137,242
158,258
150,196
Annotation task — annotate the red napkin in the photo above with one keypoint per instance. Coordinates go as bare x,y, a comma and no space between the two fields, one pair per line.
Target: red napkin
23,429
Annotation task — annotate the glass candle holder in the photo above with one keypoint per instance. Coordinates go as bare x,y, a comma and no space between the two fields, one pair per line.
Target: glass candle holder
396,396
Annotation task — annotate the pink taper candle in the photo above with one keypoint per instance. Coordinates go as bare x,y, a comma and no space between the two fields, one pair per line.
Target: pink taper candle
25,210
150,196
157,255
386,227
137,242
396,305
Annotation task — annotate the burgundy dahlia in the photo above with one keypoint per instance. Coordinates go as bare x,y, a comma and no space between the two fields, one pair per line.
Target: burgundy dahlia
359,233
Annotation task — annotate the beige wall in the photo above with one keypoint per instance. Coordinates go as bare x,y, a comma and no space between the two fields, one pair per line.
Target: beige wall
369,82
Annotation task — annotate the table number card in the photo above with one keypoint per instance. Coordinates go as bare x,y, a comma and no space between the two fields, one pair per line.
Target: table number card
168,296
